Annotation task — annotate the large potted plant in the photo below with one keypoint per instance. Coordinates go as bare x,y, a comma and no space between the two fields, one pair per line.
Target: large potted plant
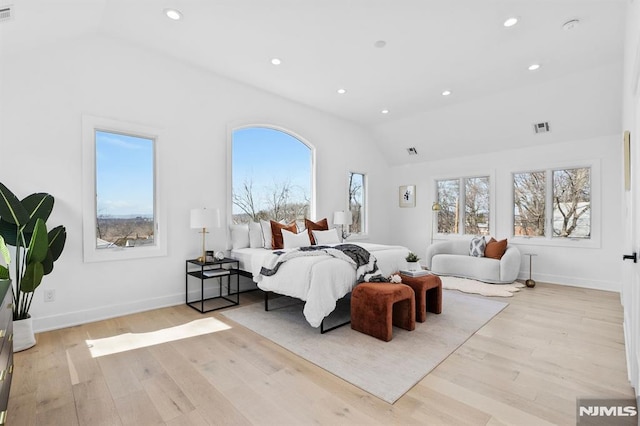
23,226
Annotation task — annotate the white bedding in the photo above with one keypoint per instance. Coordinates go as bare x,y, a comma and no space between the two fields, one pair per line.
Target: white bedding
318,280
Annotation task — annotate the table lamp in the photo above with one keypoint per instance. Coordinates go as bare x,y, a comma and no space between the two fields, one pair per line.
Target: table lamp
202,219
341,218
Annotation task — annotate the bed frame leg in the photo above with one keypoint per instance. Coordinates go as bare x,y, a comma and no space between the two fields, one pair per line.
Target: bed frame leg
266,300
325,330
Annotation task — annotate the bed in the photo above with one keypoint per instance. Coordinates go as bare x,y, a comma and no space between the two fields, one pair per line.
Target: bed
319,280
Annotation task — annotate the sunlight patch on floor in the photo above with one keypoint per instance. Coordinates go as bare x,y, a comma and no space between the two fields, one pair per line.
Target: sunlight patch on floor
130,341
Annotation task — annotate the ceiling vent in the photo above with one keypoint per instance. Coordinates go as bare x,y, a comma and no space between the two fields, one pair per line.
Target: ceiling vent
541,127
412,151
6,13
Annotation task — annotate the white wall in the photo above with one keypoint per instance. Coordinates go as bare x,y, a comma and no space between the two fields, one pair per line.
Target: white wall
43,96
596,267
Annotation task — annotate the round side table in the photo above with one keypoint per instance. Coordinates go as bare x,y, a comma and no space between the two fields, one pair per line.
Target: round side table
530,282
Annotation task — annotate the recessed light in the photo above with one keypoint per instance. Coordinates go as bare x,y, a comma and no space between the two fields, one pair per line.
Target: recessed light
174,14
276,61
510,22
342,91
380,44
534,67
446,93
385,111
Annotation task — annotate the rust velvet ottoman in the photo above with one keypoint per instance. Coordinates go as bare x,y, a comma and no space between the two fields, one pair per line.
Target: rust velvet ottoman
377,307
428,289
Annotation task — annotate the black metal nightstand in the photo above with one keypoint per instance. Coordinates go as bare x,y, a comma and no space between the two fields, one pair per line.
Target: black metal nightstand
225,296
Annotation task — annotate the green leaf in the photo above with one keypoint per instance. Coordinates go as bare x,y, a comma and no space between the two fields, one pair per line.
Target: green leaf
47,263
11,209
39,206
9,231
39,245
4,273
4,251
57,238
32,277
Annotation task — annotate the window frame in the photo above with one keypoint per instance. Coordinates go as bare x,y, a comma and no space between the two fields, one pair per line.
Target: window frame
231,128
549,239
462,204
91,253
365,205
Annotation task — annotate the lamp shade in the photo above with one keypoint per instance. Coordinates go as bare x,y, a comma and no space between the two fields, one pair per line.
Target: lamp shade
205,218
342,218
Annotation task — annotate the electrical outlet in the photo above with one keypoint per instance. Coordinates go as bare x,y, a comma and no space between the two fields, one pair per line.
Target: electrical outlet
49,295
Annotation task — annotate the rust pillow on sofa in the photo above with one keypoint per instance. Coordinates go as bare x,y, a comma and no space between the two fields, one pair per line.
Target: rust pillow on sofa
495,249
276,233
321,225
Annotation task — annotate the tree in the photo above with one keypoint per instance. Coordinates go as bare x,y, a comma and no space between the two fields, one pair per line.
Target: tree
571,199
477,206
529,203
280,201
356,187
448,196
244,198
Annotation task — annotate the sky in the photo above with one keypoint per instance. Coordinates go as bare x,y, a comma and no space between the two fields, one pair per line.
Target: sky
267,156
124,175
124,168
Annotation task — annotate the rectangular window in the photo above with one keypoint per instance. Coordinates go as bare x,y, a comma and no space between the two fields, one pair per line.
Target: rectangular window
464,205
572,203
448,198
357,202
554,203
529,195
124,190
122,207
476,202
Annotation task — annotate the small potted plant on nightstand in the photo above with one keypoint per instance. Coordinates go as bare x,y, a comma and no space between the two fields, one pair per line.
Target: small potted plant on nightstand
412,262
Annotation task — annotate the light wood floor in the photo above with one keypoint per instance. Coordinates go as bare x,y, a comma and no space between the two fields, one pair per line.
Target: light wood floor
527,366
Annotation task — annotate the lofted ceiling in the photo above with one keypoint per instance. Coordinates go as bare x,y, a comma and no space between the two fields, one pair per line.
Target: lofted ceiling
326,45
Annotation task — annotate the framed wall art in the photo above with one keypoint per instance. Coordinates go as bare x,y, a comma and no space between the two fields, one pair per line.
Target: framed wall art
407,196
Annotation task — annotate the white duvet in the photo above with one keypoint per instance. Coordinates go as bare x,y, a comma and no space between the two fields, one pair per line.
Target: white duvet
321,280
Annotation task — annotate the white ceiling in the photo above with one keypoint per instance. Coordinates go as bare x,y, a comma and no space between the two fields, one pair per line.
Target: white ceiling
459,45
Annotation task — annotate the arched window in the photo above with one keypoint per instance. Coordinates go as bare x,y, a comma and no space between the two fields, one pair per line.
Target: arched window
272,175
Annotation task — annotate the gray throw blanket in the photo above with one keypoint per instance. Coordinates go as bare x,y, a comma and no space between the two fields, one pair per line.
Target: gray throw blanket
365,263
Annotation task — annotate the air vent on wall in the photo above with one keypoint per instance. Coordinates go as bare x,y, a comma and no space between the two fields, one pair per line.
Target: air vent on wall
6,13
412,151
541,127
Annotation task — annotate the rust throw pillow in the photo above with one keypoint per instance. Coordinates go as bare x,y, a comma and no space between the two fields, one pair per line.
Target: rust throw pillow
321,225
276,233
495,249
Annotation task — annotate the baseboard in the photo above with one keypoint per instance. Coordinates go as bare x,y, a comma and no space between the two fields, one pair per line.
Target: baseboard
573,281
70,319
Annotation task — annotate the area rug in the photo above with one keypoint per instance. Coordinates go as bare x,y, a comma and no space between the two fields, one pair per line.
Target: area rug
386,370
477,287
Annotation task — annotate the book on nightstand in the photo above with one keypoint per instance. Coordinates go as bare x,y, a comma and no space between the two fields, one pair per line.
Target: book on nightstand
419,273
215,273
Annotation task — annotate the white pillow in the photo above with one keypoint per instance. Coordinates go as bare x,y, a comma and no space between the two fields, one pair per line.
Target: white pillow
266,234
291,240
239,236
255,235
329,236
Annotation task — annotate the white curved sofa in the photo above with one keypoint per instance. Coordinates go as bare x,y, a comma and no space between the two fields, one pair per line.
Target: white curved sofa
452,258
